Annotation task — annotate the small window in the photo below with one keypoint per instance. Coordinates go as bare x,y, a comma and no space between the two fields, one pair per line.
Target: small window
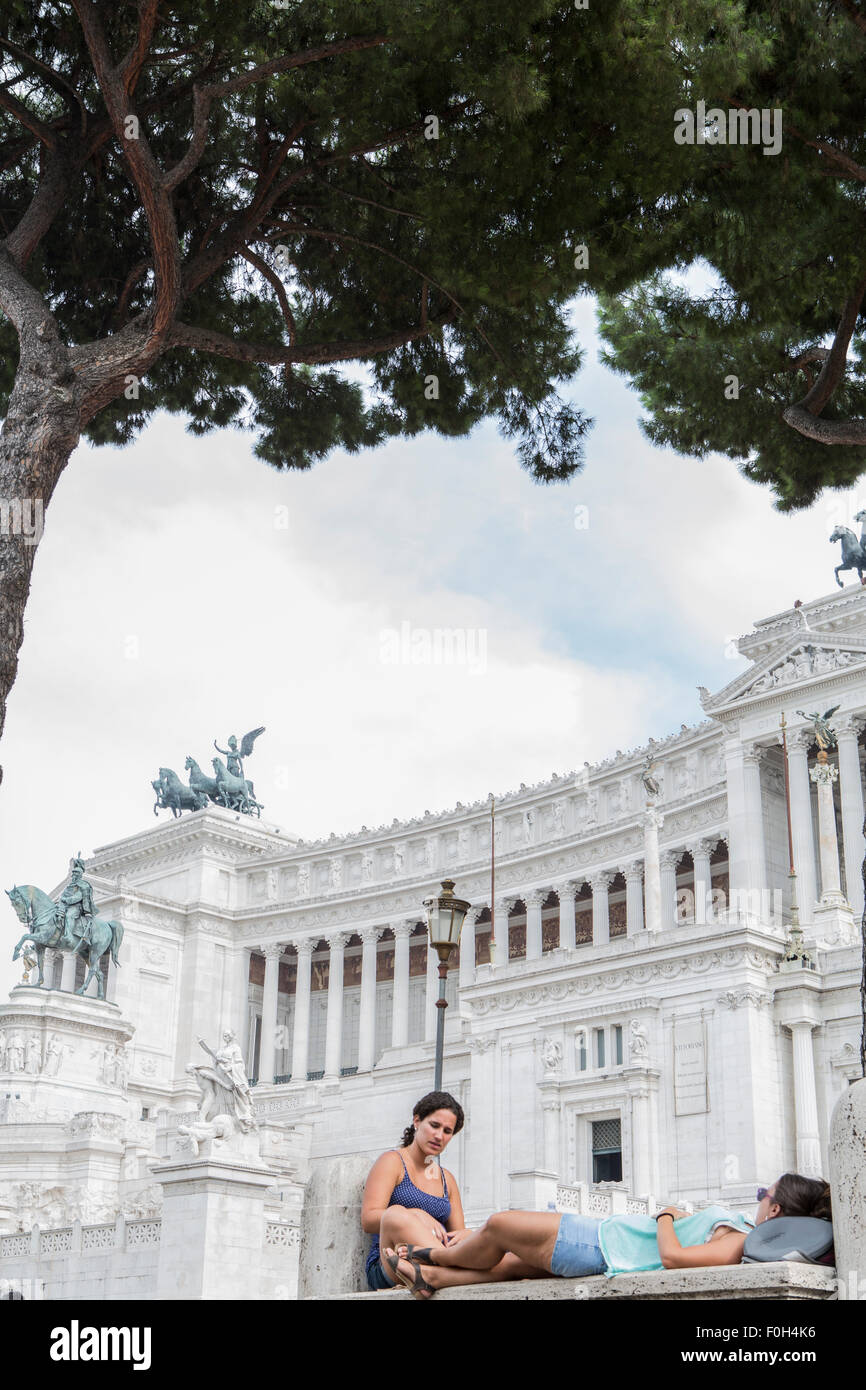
581,1050
606,1151
617,1044
599,1047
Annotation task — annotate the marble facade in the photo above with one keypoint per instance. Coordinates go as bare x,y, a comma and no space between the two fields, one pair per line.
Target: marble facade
629,1016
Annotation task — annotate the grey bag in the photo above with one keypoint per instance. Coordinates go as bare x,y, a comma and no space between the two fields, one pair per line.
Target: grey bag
801,1238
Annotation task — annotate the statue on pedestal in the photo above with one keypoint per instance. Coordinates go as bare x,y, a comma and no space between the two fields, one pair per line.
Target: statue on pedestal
226,1105
825,735
71,924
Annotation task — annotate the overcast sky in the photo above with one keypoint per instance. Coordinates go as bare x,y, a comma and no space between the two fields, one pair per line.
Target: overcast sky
184,591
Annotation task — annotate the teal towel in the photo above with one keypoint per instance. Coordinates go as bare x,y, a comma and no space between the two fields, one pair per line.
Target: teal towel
629,1243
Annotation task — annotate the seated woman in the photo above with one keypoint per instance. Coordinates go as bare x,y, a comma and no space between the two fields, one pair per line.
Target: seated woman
410,1200
572,1246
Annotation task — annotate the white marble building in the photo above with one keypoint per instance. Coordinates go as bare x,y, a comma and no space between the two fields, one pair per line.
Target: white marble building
632,1024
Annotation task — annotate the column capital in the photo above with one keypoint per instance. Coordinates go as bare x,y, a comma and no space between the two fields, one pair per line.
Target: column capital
272,950
601,880
800,741
506,904
634,870
305,946
670,858
754,754
370,934
849,725
534,897
568,891
402,930
824,772
338,940
475,912
701,848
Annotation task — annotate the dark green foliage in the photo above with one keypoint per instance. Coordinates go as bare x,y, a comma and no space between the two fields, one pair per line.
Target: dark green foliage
779,242
473,233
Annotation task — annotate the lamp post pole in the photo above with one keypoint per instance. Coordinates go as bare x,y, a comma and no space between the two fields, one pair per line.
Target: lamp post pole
441,1006
445,915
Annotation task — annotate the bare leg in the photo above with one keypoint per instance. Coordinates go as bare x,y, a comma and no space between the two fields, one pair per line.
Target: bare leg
530,1235
509,1267
404,1226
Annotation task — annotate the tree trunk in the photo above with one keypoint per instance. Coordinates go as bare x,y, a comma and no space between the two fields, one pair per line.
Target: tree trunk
39,434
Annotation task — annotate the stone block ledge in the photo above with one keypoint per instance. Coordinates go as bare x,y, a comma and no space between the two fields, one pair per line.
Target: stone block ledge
779,1280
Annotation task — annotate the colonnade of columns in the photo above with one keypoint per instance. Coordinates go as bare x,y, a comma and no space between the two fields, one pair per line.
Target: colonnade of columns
817,874
534,900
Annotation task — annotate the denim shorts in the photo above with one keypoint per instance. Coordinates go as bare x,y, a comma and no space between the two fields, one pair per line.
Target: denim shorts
577,1251
376,1277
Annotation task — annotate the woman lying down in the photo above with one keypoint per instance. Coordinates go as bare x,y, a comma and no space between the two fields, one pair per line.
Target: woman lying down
521,1244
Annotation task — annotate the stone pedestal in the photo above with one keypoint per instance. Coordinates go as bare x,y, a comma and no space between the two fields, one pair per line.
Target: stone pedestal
848,1190
61,1054
534,1190
213,1222
333,1246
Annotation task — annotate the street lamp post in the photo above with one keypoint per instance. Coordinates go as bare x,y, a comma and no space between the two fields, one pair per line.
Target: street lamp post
445,915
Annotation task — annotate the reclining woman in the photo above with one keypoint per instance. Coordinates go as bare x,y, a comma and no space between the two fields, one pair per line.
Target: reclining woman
573,1246
410,1198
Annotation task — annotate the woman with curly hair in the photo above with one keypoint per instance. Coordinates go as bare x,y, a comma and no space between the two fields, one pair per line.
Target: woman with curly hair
410,1199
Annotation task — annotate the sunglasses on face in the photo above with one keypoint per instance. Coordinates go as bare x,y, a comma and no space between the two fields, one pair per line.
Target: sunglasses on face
762,1193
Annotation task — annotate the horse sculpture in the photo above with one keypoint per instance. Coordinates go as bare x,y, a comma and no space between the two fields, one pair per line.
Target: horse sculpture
46,929
201,783
853,553
235,792
171,794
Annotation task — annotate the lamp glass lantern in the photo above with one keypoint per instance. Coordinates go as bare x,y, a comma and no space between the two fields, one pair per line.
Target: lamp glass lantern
445,917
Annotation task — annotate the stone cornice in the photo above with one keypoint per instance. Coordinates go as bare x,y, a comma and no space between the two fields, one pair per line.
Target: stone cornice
672,959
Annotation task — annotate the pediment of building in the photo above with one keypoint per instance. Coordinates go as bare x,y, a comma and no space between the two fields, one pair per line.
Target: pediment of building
800,660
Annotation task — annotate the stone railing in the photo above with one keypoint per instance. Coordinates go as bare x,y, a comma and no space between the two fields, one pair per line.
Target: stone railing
82,1240
585,1200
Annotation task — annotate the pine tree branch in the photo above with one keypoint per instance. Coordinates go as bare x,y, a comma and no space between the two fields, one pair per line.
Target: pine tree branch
279,289
146,174
206,340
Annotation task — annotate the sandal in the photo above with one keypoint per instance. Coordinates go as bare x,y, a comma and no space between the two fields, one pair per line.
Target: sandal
417,1285
419,1254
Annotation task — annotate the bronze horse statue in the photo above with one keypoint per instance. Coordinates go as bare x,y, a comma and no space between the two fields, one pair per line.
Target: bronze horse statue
47,930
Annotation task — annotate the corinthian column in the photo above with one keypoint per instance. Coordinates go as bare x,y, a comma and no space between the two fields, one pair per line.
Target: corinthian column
634,898
367,1027
500,945
334,1024
600,883
400,1007
805,1101
700,853
267,1047
301,1031
801,823
533,900
851,795
567,893
467,949
652,872
668,871
753,756
824,774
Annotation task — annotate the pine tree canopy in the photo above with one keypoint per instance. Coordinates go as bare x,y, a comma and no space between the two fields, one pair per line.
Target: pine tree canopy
758,353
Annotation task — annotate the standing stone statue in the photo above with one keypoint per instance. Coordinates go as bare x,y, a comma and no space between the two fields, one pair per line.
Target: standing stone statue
226,1107
650,783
